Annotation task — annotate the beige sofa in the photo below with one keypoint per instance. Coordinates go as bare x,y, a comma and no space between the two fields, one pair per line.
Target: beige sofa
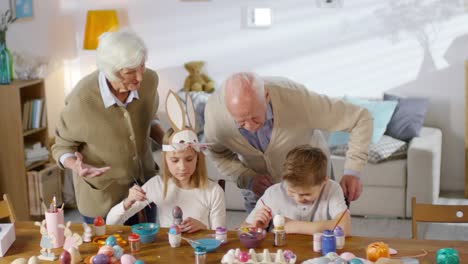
389,186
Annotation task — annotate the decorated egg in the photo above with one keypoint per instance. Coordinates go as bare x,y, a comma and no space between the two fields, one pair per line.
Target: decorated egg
99,221
347,255
118,251
355,261
332,256
174,230
100,259
321,260
114,260
288,255
111,241
65,257
340,261
377,250
127,259
139,261
243,256
106,250
177,212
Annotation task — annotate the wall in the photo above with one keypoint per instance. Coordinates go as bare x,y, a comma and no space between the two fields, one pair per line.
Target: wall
363,49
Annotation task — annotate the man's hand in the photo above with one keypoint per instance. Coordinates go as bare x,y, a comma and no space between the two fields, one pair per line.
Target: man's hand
260,183
352,187
191,225
79,167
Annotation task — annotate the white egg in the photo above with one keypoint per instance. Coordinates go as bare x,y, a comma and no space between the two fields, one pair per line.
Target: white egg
33,260
278,220
20,261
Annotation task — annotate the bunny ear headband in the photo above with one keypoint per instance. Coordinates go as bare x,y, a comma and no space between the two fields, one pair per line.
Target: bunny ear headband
183,123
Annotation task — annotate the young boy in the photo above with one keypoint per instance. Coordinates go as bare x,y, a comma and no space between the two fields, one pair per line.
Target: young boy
306,197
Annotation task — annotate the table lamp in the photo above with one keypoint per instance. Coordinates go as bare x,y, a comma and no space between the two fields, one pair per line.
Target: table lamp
98,22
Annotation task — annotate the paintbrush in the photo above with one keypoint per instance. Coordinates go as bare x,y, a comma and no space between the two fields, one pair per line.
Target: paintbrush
339,219
146,200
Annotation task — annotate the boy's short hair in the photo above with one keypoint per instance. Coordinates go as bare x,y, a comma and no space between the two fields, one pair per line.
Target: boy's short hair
305,165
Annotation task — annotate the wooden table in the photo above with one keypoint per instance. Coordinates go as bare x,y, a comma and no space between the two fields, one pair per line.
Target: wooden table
28,237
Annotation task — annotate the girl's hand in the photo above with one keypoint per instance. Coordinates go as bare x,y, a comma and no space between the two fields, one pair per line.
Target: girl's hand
262,217
135,193
191,225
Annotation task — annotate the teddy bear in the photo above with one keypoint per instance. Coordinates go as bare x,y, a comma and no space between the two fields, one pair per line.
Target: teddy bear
197,81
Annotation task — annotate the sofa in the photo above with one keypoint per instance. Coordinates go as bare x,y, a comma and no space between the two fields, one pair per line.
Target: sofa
389,186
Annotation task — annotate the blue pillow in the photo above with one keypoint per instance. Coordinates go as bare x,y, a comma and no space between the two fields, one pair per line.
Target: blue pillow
381,111
408,117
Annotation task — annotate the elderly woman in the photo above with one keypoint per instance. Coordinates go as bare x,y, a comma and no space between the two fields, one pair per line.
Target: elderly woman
104,130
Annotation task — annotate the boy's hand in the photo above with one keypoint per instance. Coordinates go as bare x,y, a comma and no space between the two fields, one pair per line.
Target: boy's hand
135,193
262,217
191,225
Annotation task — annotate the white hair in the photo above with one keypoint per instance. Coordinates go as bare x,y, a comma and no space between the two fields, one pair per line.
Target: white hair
247,79
119,50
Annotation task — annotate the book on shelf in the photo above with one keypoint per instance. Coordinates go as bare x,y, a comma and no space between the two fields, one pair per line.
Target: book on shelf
34,153
34,114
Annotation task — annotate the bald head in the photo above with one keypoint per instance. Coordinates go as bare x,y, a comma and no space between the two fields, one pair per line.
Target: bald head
246,100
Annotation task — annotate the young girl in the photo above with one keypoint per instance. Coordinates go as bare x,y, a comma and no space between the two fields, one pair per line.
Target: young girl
184,182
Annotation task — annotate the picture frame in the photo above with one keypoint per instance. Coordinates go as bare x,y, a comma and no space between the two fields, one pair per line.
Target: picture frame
21,9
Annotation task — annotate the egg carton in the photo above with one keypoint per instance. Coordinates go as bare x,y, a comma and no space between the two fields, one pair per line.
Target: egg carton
280,257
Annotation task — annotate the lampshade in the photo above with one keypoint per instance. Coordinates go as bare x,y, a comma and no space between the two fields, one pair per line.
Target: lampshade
98,22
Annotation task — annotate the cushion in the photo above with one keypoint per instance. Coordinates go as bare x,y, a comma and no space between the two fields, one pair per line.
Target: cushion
381,111
387,148
408,118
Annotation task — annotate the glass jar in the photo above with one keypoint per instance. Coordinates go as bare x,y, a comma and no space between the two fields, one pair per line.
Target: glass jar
328,242
340,237
280,237
134,242
221,234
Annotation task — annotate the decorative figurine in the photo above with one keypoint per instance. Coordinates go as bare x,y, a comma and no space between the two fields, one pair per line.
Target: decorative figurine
177,215
174,236
87,234
71,239
47,242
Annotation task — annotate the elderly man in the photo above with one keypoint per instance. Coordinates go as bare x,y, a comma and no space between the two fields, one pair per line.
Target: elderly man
254,122
103,131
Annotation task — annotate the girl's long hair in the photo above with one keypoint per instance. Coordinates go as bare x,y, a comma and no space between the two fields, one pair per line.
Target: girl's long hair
199,177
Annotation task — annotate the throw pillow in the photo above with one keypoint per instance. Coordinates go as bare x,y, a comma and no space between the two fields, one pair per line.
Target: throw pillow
381,111
408,118
387,148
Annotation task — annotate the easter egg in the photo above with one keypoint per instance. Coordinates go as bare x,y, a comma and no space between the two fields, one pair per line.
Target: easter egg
139,261
100,259
106,250
347,255
33,260
99,221
332,256
321,260
127,259
19,261
174,230
118,251
111,241
243,256
65,257
340,261
355,261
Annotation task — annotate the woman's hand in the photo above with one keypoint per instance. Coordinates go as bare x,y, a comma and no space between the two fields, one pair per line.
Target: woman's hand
83,169
262,217
135,193
191,225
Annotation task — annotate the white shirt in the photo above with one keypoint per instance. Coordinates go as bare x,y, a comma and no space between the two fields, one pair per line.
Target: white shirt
206,205
330,205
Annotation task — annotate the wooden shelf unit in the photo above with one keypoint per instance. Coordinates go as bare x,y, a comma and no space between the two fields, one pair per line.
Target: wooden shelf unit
13,179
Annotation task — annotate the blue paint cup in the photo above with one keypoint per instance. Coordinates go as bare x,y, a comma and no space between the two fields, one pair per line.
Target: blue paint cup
328,242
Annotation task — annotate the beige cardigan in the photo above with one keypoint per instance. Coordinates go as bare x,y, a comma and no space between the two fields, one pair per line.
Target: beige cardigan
297,113
114,136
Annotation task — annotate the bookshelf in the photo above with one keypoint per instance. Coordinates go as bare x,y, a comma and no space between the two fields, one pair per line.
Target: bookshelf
15,134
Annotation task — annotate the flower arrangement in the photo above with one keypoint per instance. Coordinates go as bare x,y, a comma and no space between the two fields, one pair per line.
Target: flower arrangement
6,19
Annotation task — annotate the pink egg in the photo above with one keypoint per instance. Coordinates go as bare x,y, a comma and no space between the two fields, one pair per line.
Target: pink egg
127,259
243,256
65,257
106,250
114,260
347,256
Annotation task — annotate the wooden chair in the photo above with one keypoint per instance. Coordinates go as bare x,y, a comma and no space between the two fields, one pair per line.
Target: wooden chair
6,209
431,213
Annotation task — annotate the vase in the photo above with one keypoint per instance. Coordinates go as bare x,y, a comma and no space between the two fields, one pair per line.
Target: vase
3,41
5,75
